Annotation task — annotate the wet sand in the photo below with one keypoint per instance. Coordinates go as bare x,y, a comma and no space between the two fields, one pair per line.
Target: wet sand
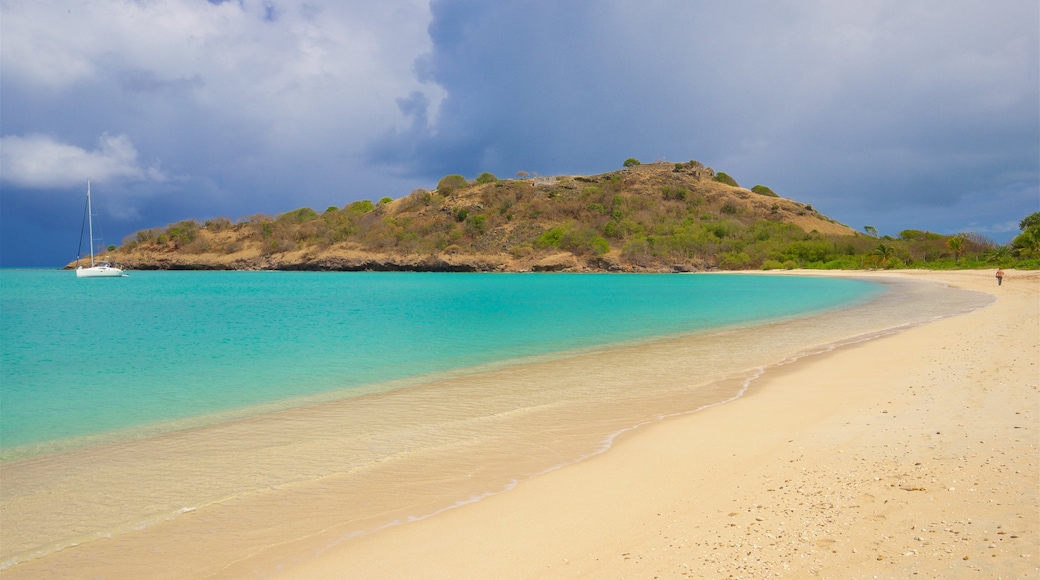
914,455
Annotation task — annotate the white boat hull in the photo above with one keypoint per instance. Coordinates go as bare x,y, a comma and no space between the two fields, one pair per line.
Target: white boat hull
96,269
99,272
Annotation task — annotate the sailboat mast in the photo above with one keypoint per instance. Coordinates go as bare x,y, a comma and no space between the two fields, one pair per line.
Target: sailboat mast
90,221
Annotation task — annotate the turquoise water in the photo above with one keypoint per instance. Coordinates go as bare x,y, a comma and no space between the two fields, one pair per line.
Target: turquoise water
87,357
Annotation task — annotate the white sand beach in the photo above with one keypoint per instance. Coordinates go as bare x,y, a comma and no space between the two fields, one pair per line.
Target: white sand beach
914,455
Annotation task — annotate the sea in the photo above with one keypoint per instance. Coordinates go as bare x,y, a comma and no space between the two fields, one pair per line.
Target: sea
128,402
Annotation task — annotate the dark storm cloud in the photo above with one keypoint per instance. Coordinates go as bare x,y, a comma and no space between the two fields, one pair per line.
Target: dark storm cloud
891,113
179,109
907,114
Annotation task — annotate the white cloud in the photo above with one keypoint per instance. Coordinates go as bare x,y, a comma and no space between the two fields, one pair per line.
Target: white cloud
39,161
297,72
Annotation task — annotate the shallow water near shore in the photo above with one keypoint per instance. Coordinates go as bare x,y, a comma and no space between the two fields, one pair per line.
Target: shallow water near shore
348,460
89,360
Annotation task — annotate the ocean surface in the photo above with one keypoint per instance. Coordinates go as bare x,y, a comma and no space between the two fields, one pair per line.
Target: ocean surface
274,406
89,358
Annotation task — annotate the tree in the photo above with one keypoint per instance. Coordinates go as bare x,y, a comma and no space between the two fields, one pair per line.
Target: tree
882,254
956,245
1028,242
871,231
631,161
1029,221
521,174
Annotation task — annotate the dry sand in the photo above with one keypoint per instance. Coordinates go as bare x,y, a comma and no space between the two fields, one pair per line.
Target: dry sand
914,455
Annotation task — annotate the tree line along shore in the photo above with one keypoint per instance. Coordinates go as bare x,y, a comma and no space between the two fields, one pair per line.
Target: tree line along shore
659,217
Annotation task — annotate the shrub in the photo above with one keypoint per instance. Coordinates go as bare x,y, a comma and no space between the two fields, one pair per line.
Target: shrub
363,206
584,240
671,192
486,178
218,224
550,238
299,216
763,190
729,208
460,214
807,251
734,260
599,245
449,184
476,223
182,232
631,162
637,249
385,200
692,164
724,178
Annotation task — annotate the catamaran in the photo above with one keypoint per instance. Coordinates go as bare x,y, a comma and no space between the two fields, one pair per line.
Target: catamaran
96,269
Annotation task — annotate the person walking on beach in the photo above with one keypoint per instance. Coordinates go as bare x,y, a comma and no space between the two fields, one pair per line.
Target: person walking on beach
1000,276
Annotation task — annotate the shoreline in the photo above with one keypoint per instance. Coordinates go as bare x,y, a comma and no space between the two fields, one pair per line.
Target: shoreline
859,482
268,560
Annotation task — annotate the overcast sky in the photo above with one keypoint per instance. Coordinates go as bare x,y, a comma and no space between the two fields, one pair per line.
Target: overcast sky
897,114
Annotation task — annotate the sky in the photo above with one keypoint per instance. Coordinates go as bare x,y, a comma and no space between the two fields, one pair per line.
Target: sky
900,114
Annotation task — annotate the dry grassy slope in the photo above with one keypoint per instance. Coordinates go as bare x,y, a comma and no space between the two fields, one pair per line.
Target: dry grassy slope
541,203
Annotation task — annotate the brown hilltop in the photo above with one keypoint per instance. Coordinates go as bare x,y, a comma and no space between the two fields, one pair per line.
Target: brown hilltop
653,217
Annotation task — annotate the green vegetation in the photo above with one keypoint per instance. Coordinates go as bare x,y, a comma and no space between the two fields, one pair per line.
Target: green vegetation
631,162
1027,243
449,184
763,190
658,218
692,164
724,178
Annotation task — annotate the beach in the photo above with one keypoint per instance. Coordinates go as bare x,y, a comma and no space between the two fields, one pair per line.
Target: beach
913,455
913,452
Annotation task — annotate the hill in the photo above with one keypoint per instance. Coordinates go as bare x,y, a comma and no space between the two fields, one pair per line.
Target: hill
653,217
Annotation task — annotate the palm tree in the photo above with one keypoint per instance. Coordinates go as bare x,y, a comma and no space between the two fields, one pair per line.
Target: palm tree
882,254
871,231
956,245
999,254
